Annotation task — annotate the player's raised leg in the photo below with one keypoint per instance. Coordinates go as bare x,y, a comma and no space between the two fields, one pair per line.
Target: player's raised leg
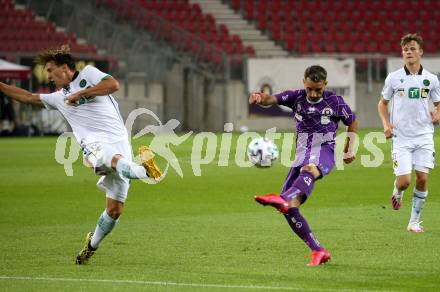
148,162
127,168
105,158
275,200
131,170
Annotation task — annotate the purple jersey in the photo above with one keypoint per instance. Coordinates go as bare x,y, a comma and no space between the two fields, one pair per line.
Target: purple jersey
316,122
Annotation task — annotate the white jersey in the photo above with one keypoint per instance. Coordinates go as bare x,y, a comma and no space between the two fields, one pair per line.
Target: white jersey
410,95
96,119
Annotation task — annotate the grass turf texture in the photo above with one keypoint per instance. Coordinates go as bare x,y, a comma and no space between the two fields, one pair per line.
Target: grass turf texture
208,230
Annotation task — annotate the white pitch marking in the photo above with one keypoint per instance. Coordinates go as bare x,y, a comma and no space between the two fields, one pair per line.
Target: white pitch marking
159,283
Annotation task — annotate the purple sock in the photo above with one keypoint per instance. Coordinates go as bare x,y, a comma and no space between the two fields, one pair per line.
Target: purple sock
303,185
299,225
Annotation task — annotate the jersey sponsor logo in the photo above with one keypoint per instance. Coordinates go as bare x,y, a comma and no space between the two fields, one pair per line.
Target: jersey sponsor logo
82,83
325,120
426,82
327,112
425,92
414,92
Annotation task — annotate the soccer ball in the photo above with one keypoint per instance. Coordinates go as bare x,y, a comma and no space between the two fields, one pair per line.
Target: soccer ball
262,152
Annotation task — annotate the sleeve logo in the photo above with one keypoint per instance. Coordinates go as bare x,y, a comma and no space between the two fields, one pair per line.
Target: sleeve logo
82,83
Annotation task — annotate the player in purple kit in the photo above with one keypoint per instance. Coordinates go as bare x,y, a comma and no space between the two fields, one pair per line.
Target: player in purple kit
317,113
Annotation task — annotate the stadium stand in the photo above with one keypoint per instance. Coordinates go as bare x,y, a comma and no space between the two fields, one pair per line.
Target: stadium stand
22,32
343,26
166,20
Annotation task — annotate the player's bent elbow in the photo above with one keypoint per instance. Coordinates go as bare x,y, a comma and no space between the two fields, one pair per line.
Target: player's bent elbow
382,102
115,85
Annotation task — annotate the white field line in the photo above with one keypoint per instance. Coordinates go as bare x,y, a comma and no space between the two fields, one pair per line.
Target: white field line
196,285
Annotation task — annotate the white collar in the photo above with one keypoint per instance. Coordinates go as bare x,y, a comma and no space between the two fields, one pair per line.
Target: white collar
313,102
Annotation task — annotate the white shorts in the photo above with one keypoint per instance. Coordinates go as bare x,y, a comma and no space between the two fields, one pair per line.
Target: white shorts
417,153
115,186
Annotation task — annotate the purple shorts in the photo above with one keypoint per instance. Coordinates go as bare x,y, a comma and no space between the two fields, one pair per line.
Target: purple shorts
323,157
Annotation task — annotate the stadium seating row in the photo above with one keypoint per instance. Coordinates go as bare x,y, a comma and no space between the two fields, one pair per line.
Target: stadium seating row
184,25
343,26
21,31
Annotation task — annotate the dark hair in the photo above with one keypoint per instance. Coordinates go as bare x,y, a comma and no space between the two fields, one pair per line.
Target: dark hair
315,73
59,56
411,37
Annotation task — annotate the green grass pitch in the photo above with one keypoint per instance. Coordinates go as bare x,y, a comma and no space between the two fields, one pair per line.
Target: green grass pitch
206,233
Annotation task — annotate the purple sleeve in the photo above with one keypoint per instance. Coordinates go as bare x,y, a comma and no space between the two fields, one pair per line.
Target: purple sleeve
344,112
288,97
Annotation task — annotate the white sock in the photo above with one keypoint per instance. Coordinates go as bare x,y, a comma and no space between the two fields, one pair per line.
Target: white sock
130,169
105,226
417,206
396,191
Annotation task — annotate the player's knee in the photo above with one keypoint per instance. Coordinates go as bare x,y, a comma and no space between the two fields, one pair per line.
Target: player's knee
422,181
114,212
311,168
296,202
403,184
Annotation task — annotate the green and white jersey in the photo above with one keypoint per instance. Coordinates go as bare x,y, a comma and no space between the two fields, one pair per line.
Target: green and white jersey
410,96
95,119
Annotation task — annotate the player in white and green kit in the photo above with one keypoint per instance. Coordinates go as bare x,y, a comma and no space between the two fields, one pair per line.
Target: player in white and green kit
410,124
85,100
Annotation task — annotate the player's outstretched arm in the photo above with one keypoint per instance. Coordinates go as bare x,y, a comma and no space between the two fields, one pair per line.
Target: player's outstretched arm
382,109
349,155
262,98
106,86
21,95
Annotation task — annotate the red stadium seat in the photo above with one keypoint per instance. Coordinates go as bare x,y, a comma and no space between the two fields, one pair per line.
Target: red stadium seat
20,31
330,47
290,43
356,22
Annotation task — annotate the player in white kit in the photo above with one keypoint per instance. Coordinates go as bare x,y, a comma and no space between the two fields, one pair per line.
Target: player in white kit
410,124
84,99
